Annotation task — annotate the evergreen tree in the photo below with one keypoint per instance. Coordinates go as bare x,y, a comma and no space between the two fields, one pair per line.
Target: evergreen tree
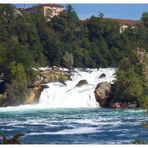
68,60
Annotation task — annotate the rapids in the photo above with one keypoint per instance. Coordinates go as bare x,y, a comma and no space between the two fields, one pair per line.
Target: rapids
59,95
67,95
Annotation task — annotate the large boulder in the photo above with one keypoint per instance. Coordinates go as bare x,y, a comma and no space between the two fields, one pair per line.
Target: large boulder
81,83
102,93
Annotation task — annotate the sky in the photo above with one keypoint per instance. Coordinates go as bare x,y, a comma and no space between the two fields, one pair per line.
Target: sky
123,11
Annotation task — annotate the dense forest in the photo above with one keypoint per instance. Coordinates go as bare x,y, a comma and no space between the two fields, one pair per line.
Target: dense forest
27,40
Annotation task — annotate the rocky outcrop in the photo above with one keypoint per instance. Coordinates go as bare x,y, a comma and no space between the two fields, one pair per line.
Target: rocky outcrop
33,95
102,93
102,75
44,77
81,83
48,76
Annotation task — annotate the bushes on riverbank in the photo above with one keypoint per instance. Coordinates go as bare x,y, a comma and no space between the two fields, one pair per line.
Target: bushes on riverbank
131,84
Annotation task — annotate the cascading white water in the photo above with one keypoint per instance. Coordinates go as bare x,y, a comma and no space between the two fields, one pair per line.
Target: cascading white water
59,95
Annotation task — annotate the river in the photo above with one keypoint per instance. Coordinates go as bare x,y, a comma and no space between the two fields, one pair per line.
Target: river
75,126
66,114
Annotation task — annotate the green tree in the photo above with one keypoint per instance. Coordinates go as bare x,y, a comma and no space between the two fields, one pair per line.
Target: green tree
144,102
128,86
18,74
145,18
16,90
100,15
68,60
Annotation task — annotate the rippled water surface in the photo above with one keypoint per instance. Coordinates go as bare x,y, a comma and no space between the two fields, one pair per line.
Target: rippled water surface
75,126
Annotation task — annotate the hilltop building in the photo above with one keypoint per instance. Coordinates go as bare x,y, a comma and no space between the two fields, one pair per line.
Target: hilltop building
51,10
124,24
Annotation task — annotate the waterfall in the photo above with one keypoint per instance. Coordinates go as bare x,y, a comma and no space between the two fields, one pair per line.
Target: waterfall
68,95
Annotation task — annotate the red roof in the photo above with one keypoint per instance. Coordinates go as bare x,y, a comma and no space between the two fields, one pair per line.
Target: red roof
53,5
83,21
126,22
119,21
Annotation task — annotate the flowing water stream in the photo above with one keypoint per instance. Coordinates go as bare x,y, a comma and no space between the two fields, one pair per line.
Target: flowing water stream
66,114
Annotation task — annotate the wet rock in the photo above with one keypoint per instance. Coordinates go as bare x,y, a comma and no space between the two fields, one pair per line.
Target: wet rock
34,95
81,83
102,93
53,76
102,75
44,86
63,82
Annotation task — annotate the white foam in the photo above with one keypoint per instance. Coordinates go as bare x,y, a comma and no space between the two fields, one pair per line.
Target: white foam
43,68
134,110
6,129
81,130
68,96
86,121
59,95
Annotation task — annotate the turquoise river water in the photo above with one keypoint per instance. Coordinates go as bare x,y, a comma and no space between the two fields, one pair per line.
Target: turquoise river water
75,126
